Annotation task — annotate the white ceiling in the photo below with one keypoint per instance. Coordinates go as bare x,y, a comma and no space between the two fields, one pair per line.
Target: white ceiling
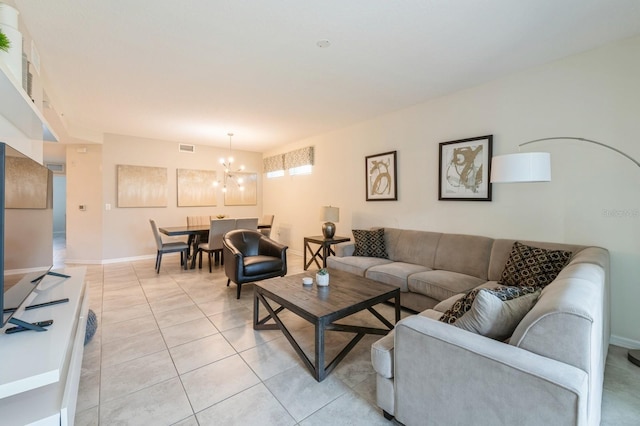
194,70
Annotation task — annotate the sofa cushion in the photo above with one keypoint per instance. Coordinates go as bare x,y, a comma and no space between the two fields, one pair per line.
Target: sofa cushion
354,264
441,285
466,254
410,246
533,266
496,313
370,243
394,273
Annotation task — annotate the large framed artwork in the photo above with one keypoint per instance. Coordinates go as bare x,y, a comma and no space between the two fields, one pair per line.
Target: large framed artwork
465,167
141,186
241,194
196,188
381,176
27,184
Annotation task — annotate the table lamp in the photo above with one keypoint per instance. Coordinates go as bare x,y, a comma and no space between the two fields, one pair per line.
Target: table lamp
329,215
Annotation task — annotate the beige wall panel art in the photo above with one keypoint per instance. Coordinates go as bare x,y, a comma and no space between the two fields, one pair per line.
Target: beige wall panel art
27,184
196,188
242,197
141,186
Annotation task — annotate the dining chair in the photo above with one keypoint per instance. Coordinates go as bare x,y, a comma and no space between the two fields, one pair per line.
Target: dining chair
218,227
264,226
197,220
247,223
252,257
172,247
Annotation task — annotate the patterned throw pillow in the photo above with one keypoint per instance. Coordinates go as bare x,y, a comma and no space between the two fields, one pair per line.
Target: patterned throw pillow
464,304
459,308
533,266
370,243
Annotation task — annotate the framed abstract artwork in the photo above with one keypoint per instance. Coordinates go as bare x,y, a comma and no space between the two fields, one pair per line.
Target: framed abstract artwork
242,189
196,188
141,186
381,176
464,169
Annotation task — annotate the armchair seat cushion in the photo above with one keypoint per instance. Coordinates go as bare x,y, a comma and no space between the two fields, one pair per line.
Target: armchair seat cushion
258,265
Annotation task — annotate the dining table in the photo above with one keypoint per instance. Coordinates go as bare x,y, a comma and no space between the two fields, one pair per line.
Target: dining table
196,233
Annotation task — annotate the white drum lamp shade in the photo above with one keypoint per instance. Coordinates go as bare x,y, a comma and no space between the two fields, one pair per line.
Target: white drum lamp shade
521,167
329,214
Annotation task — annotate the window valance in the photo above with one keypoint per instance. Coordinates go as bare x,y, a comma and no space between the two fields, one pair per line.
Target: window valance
273,164
299,157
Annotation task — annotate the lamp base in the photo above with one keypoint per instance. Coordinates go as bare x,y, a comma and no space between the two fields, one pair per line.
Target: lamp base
328,230
634,356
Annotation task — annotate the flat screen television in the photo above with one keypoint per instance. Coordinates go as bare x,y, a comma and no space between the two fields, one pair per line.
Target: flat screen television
26,227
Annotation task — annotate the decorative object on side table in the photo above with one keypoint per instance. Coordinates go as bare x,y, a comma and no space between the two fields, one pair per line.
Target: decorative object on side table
381,176
329,214
307,281
221,216
464,169
322,277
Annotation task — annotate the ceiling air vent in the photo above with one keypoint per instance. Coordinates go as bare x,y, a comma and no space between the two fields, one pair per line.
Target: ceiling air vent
55,167
183,147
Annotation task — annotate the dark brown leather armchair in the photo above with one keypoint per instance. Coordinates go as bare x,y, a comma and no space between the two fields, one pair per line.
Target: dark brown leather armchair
250,256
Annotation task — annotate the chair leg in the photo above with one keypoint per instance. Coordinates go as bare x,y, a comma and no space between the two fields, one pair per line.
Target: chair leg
221,257
228,281
186,259
158,262
209,262
200,261
239,290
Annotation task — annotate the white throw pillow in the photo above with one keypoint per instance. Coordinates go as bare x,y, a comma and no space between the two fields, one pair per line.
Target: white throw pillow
495,318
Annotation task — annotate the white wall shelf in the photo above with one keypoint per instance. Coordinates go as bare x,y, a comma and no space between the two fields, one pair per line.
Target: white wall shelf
17,108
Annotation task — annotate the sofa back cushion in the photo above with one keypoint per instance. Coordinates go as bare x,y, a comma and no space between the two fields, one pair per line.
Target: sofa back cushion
409,246
466,254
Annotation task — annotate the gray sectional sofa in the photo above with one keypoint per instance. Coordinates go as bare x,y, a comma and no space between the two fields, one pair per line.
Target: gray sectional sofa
551,369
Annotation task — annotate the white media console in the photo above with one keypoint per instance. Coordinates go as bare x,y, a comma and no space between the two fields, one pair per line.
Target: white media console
40,371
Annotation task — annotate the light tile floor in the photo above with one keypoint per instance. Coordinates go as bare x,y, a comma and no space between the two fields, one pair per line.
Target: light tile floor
178,348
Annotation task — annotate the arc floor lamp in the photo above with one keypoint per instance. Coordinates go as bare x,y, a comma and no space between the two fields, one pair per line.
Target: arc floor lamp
536,167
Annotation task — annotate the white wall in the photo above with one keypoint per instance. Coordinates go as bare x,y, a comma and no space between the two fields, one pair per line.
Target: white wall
595,95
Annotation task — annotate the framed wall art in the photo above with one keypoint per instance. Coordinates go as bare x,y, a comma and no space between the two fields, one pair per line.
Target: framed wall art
381,176
248,195
196,188
141,186
464,169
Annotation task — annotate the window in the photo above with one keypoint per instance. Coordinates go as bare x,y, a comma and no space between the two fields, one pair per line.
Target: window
298,162
300,170
275,174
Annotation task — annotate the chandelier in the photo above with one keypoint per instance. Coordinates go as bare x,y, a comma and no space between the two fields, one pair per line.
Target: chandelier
229,174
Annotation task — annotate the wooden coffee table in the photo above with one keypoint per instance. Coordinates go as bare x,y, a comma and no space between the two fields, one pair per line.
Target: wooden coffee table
346,295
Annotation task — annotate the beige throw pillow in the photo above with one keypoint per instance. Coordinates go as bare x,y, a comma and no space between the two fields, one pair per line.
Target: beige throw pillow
493,317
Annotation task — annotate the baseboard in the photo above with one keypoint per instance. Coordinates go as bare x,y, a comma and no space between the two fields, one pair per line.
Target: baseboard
624,342
109,261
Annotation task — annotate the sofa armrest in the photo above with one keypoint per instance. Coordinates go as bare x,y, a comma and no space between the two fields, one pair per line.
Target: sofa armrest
345,249
445,375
